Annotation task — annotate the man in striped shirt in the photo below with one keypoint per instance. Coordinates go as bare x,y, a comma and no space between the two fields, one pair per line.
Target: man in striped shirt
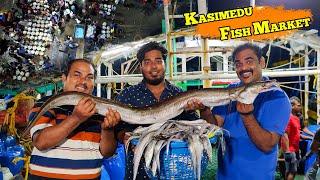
70,142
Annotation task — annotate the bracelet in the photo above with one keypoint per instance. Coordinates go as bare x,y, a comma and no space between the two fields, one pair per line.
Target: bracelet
247,113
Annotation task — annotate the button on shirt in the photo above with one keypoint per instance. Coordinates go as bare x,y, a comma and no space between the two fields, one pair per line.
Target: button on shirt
140,96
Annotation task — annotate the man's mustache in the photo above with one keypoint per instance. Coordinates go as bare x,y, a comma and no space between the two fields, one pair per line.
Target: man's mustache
245,71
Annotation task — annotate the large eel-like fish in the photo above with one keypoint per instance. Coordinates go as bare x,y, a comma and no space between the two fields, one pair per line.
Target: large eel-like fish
161,111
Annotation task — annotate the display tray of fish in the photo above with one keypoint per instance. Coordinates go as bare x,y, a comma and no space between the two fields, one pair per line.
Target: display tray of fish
163,110
159,143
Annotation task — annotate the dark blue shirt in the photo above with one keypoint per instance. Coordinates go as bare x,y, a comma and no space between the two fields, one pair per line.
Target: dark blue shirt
272,111
140,96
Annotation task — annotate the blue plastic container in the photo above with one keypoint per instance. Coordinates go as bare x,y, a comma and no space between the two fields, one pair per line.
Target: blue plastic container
104,174
115,165
2,152
313,128
11,153
177,164
10,141
2,148
3,136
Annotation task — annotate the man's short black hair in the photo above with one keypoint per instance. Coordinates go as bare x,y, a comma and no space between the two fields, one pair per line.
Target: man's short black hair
149,47
256,49
70,63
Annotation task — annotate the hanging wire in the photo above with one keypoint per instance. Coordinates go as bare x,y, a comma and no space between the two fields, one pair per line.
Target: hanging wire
292,82
298,59
300,90
115,72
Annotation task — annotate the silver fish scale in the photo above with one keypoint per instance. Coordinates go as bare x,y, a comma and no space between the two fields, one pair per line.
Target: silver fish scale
160,112
152,142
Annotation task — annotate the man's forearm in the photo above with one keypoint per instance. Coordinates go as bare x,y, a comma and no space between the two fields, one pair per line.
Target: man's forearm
307,131
121,135
305,137
285,142
108,143
207,115
262,138
52,136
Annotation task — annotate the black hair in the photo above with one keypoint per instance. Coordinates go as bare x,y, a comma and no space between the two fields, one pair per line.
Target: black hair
149,47
256,49
70,63
294,98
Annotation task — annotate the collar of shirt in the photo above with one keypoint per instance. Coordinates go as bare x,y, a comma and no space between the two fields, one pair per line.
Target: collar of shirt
168,91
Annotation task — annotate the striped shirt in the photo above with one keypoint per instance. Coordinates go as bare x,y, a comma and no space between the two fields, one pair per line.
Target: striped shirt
78,157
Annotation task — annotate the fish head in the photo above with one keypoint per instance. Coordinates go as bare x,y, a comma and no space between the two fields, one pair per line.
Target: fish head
251,91
261,86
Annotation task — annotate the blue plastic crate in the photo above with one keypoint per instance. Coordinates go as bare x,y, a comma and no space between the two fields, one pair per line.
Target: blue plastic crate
177,164
115,166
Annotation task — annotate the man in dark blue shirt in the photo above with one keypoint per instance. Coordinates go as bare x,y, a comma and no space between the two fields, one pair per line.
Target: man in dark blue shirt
253,129
153,89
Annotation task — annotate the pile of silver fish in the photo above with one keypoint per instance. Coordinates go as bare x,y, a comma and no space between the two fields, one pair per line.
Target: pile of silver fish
161,111
154,138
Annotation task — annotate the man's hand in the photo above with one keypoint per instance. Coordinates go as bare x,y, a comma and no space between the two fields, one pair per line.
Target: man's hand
85,108
111,119
194,104
108,143
244,109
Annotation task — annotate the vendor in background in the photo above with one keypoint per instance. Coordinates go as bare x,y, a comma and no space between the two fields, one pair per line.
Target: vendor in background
254,129
297,111
291,138
153,89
